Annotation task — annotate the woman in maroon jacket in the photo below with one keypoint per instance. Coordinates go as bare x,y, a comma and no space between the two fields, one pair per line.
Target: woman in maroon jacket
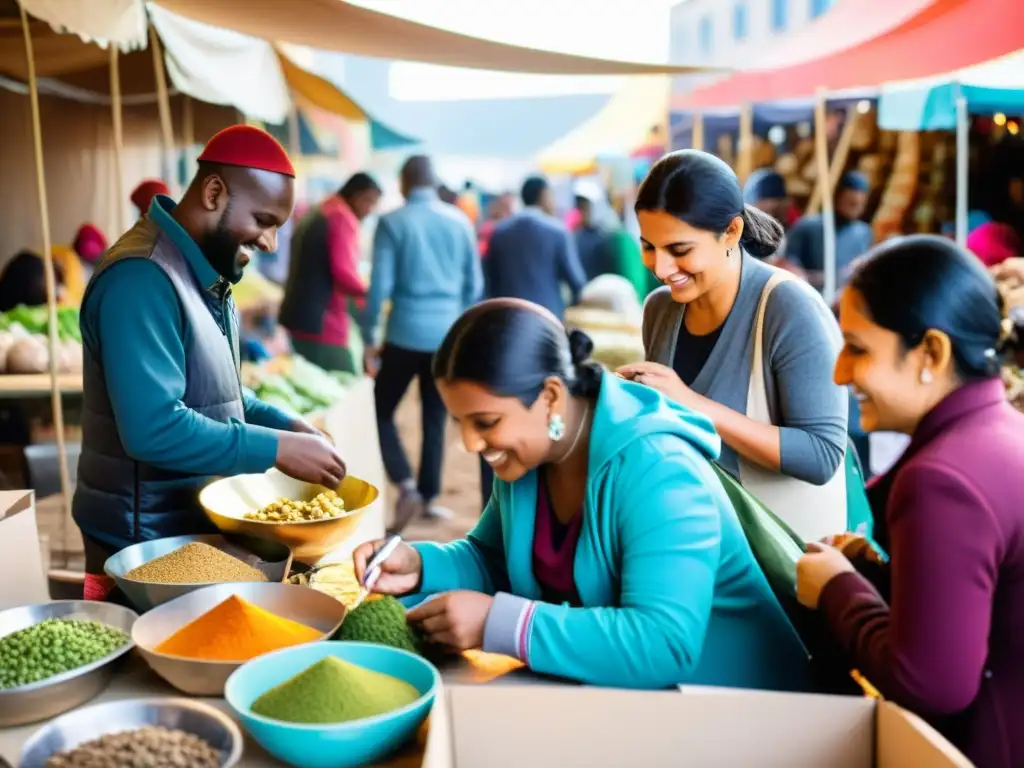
940,629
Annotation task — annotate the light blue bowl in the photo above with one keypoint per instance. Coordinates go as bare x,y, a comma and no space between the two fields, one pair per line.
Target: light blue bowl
345,745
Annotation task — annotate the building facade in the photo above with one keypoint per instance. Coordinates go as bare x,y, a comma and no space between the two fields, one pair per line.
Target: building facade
729,33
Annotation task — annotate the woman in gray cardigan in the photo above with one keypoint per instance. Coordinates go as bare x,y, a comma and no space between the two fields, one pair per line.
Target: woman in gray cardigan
699,330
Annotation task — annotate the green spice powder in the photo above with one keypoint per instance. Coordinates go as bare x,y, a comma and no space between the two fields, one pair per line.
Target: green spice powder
334,691
381,620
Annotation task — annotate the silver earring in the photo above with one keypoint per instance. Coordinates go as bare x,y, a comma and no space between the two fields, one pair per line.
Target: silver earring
926,376
556,427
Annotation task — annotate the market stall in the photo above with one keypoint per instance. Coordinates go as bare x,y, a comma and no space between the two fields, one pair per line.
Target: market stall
166,665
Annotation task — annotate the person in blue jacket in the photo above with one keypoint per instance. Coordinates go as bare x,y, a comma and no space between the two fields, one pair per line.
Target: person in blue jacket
608,553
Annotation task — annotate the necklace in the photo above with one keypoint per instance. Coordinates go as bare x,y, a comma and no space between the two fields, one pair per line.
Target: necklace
576,439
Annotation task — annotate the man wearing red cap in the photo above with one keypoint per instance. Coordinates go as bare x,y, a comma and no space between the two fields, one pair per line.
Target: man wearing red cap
163,405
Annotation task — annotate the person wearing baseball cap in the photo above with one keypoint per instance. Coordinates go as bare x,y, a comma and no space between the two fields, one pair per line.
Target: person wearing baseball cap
163,406
805,243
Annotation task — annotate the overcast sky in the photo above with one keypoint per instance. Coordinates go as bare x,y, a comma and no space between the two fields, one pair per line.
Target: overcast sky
635,30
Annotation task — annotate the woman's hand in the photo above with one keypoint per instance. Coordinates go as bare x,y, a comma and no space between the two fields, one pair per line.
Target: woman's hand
661,378
853,545
400,574
455,619
816,569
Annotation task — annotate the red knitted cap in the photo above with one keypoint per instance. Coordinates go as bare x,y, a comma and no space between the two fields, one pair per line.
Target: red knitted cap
247,147
143,194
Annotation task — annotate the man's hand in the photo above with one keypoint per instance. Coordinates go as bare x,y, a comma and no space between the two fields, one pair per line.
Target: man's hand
371,361
310,458
303,427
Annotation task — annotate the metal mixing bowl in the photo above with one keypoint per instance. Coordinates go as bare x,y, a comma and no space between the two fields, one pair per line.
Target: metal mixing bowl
270,557
226,502
75,728
207,678
39,701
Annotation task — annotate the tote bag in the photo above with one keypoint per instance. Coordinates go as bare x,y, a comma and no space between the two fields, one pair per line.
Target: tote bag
811,511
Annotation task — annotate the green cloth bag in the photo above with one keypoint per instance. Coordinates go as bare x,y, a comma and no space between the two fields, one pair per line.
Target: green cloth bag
858,511
775,545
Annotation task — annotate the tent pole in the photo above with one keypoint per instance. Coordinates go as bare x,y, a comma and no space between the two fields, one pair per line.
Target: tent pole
163,101
188,132
698,130
963,155
825,181
116,117
745,148
838,162
51,281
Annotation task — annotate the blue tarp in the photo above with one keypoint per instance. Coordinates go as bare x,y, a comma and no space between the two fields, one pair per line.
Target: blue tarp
766,116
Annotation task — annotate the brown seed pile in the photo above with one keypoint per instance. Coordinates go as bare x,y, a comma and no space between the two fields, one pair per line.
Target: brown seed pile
149,747
195,563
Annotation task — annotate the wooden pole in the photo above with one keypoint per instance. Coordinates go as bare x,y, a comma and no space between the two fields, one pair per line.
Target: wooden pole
838,162
188,134
827,212
745,144
51,280
698,130
164,105
116,116
963,155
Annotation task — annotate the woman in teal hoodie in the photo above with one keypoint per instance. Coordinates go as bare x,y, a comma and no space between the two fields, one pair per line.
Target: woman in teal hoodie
609,552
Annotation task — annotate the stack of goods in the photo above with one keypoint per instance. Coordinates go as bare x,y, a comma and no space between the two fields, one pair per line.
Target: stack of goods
617,338
195,563
901,189
295,385
323,506
24,343
53,647
236,631
334,691
151,746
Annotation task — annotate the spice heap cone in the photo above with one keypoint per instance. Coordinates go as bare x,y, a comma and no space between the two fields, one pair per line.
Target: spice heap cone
334,691
381,620
236,630
195,563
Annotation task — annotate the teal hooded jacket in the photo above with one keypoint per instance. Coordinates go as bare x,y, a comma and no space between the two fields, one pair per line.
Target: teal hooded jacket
671,592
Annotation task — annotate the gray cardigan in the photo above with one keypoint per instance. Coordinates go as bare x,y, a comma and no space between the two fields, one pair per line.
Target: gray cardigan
801,342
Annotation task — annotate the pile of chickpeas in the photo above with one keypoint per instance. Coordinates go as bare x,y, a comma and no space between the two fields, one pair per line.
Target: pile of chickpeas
323,506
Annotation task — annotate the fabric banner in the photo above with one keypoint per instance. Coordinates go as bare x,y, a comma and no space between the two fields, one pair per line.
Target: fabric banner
121,22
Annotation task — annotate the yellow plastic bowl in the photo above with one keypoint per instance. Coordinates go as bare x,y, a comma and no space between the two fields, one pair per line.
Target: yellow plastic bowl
228,500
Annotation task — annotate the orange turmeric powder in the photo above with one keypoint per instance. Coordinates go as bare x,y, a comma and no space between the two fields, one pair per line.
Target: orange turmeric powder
236,630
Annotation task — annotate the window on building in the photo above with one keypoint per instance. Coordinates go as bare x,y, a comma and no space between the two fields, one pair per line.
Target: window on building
739,20
780,15
819,7
707,36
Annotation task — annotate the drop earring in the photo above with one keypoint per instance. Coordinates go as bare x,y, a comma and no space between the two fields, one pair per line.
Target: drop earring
926,376
556,427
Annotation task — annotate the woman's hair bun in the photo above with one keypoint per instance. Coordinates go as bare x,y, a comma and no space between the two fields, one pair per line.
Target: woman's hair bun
580,346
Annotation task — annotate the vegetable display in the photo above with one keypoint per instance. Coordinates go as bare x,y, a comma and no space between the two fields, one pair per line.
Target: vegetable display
24,343
53,647
296,385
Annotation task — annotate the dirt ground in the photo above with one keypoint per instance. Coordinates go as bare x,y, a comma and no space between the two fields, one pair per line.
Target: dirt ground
460,481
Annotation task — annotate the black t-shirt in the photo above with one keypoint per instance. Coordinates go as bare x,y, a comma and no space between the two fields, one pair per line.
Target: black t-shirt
692,352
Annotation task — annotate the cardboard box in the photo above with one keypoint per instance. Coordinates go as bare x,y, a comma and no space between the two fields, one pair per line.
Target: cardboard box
22,573
510,726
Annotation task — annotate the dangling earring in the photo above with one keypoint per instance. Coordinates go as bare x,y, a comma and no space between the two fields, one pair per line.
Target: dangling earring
556,427
926,376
